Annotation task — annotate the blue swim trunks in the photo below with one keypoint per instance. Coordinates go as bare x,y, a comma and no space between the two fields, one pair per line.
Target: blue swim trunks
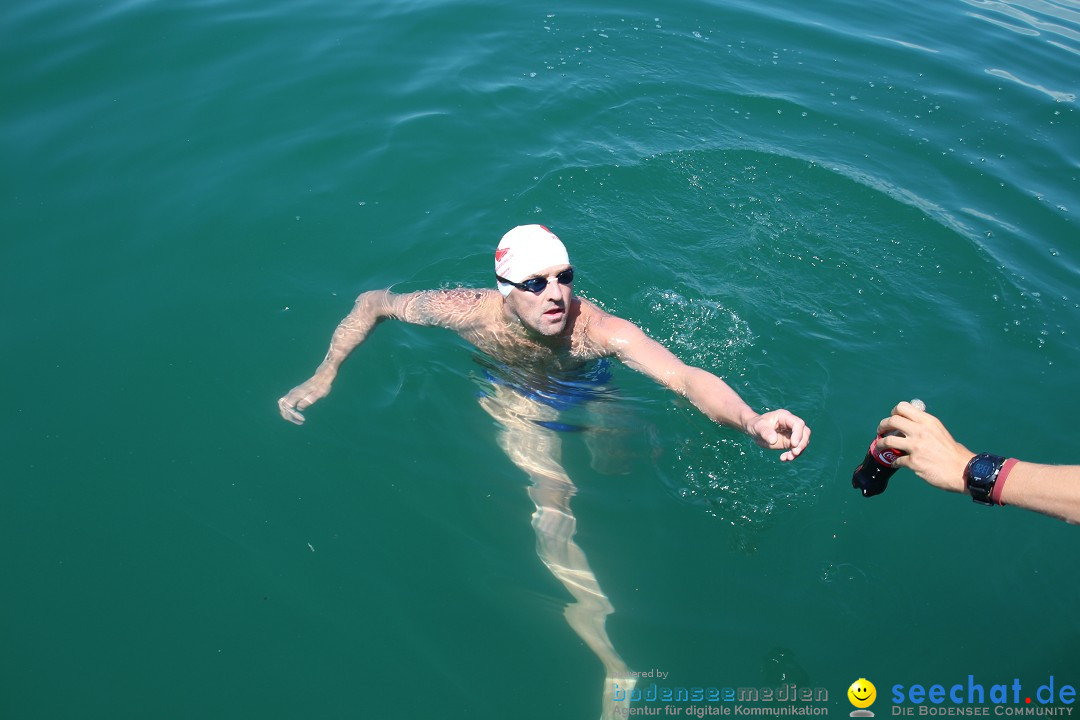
559,393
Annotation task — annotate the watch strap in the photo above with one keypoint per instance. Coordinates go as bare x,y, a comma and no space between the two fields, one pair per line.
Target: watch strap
1003,474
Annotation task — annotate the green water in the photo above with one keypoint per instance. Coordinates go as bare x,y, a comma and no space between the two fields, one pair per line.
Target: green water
835,206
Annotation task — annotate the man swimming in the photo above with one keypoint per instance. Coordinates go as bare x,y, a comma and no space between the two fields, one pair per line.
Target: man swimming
535,320
543,342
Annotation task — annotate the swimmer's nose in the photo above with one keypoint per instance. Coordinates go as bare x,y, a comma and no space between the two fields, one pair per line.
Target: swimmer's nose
552,291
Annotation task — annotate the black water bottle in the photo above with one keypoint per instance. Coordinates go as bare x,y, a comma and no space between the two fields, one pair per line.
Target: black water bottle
872,477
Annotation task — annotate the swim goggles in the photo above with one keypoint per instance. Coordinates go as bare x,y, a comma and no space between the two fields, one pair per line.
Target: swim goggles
536,285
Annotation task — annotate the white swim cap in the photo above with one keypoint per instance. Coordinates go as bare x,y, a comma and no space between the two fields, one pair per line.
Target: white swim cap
525,251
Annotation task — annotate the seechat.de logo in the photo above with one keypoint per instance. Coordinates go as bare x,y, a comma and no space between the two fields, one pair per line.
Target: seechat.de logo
862,695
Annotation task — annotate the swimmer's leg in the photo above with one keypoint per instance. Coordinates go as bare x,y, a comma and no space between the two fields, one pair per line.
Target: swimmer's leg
609,453
555,525
537,451
618,441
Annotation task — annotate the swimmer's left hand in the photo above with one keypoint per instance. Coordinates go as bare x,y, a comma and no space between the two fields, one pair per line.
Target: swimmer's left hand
780,430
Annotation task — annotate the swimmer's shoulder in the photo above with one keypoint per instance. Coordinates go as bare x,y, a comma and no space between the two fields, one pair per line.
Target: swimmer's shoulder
593,318
453,308
605,334
594,327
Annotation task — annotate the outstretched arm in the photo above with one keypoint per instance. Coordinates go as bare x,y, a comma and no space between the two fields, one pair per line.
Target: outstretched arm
458,309
775,430
369,309
933,454
1052,490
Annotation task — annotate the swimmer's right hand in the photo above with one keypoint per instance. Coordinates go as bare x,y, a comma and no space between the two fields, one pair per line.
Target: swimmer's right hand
301,398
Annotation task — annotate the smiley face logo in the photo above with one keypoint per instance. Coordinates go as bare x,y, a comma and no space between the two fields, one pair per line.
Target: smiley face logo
862,693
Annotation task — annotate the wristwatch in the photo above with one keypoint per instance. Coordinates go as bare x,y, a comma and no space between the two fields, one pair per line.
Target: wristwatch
980,475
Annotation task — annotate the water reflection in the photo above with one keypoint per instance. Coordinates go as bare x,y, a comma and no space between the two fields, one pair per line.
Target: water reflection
1059,19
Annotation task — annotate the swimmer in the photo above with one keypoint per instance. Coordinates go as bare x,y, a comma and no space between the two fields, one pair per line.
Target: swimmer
534,324
933,455
535,320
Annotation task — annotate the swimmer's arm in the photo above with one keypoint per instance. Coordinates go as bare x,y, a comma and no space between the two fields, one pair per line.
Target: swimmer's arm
706,391
777,430
369,309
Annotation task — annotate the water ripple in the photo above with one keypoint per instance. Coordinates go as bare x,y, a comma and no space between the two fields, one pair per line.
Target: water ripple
1058,96
1031,18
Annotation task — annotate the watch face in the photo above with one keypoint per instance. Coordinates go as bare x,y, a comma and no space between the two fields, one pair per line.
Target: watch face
980,475
982,468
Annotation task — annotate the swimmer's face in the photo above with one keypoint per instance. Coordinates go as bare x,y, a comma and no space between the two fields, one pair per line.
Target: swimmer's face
544,313
862,693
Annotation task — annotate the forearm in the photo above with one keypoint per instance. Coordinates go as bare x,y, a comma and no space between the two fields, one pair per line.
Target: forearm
717,400
369,309
1050,489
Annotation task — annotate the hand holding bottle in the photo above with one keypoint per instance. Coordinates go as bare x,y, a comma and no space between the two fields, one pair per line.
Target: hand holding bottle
872,477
